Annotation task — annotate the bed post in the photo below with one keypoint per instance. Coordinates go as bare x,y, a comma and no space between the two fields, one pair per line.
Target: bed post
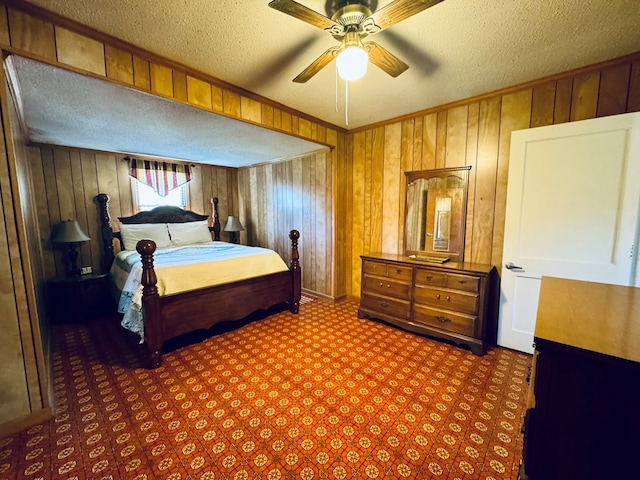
107,231
216,219
150,303
294,235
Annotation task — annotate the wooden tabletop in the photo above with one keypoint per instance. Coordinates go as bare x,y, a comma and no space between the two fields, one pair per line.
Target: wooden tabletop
593,316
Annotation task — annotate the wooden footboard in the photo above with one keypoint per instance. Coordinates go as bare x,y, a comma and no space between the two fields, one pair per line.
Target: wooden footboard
168,316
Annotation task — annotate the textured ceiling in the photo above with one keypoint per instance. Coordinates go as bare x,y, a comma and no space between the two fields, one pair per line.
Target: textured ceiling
59,107
455,50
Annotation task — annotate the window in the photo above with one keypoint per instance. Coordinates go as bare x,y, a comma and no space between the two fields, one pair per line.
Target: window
147,198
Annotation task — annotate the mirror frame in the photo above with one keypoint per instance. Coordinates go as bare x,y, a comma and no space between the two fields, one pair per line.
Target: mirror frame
441,179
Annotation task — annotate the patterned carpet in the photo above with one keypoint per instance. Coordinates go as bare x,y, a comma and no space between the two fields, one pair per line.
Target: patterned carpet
321,395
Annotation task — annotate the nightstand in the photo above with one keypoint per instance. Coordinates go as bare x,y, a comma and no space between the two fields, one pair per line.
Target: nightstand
79,298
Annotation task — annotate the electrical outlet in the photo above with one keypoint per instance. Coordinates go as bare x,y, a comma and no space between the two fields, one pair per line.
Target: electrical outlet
86,270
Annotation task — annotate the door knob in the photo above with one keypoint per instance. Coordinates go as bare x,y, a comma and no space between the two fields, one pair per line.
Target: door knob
511,266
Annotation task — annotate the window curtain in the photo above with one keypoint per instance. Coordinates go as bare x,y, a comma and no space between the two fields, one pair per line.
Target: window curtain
161,176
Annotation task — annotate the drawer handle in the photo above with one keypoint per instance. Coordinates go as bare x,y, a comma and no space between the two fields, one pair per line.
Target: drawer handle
429,278
442,319
462,282
383,304
388,285
438,296
448,298
381,284
398,271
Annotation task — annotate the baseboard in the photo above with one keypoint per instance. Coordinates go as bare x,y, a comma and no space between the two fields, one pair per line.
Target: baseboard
13,426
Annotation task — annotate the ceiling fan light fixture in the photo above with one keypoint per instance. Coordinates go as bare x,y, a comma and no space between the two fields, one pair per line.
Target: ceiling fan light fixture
352,63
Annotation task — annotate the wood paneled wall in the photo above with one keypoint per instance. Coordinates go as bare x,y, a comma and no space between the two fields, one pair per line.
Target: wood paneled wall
68,181
24,396
475,132
293,194
362,201
31,31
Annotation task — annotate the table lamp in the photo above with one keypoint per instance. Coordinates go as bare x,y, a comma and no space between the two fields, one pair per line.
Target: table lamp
69,232
233,226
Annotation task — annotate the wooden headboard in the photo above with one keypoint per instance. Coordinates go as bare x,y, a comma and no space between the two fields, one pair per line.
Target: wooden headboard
162,214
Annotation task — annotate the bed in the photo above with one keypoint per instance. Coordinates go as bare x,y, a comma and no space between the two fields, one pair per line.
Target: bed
175,313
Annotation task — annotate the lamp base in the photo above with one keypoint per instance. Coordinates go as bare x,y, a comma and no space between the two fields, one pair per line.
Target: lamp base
73,261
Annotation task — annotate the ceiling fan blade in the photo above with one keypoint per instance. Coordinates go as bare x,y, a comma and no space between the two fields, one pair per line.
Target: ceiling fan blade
399,10
321,62
303,13
384,59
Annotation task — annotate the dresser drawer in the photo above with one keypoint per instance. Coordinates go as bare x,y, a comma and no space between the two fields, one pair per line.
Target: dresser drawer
427,277
447,299
387,286
463,282
399,272
452,322
388,306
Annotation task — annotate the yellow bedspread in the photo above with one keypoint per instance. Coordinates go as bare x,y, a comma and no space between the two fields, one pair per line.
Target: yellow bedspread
180,269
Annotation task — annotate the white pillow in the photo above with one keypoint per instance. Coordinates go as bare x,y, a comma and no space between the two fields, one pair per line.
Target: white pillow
131,234
189,232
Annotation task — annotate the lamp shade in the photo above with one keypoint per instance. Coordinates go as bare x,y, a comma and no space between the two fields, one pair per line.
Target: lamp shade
233,225
68,231
352,63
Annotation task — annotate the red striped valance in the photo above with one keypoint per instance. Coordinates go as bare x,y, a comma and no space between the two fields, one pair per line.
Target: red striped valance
161,176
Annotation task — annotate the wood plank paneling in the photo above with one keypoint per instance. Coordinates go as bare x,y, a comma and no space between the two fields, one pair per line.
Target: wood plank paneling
180,87
441,139
614,90
70,179
429,132
199,92
250,109
515,115
393,182
377,202
584,98
562,107
231,103
293,194
161,80
542,105
633,101
80,52
481,137
141,73
456,137
32,35
472,160
4,26
24,396
119,64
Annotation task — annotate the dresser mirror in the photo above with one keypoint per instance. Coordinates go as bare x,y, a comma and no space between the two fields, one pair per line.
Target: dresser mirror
436,212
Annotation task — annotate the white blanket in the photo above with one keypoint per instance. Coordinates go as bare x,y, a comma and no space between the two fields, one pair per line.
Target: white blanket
180,269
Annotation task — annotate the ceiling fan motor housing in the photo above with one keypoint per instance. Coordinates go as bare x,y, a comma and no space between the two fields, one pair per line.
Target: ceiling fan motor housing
350,17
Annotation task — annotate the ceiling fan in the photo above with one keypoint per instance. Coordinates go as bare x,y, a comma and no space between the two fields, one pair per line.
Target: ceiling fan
350,24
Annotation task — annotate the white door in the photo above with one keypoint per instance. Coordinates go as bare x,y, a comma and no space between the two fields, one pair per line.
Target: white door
573,196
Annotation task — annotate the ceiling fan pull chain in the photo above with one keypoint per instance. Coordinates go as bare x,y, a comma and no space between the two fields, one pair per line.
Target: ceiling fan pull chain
346,102
337,90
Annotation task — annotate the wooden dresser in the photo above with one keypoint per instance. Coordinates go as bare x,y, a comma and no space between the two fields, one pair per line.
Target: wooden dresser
583,419
451,301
